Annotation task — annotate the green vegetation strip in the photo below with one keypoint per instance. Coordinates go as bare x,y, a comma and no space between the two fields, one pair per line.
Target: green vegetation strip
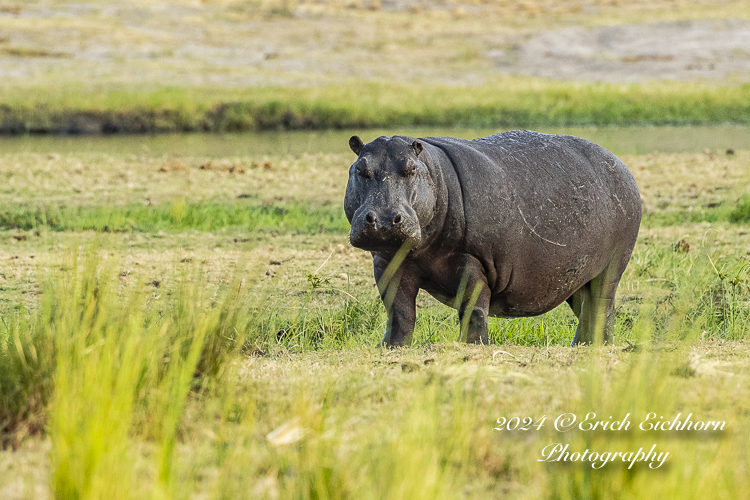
507,102
177,216
180,216
736,213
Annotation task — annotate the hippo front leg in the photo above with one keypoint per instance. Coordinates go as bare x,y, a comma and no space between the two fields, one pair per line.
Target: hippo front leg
398,291
474,300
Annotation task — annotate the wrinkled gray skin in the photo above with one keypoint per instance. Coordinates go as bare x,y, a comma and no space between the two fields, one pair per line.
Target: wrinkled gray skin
509,225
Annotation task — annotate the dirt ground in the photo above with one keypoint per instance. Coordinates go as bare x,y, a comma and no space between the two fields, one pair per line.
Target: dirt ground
683,50
241,43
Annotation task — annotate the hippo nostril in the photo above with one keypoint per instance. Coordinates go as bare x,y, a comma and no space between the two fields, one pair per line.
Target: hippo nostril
370,218
397,219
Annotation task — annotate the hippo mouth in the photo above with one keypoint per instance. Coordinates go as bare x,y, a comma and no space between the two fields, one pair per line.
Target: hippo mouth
380,232
374,242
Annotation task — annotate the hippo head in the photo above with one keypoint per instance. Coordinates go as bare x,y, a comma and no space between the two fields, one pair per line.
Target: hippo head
390,197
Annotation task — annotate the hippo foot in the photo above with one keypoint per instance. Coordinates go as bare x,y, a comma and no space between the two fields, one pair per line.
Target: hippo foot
477,329
389,342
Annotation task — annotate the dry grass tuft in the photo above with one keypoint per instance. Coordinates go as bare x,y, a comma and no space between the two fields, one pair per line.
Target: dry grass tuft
226,166
173,166
266,165
682,246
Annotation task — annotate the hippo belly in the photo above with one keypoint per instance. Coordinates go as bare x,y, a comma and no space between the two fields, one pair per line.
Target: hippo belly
540,293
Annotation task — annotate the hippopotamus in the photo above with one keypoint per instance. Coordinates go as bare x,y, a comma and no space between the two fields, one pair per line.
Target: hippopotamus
509,225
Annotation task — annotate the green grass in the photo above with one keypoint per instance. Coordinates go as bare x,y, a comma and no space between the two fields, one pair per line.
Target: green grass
679,217
741,213
737,212
177,216
506,102
189,364
296,218
218,390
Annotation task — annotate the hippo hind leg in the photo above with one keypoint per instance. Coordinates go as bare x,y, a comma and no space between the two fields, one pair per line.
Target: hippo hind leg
594,304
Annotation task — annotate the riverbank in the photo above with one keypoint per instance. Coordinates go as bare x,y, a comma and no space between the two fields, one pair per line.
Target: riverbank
505,102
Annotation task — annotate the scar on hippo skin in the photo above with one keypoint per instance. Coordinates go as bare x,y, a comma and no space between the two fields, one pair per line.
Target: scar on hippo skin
490,228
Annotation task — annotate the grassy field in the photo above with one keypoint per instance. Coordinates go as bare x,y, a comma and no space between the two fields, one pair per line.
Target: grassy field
182,316
176,332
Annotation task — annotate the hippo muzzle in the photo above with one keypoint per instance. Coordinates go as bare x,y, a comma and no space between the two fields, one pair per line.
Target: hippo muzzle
384,229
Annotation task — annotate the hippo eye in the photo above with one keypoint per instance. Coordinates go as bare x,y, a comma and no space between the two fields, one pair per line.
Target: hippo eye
363,171
409,169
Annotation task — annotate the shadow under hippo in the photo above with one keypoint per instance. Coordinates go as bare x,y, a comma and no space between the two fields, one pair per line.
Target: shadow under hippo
509,225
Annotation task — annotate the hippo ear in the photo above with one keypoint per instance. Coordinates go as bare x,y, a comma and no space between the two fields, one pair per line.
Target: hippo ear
356,144
417,147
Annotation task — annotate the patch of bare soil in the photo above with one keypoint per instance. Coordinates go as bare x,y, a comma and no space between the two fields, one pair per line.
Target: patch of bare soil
684,50
238,43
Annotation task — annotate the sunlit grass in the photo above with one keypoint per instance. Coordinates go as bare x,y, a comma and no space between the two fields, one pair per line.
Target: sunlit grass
504,102
197,381
218,338
177,216
228,349
304,219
